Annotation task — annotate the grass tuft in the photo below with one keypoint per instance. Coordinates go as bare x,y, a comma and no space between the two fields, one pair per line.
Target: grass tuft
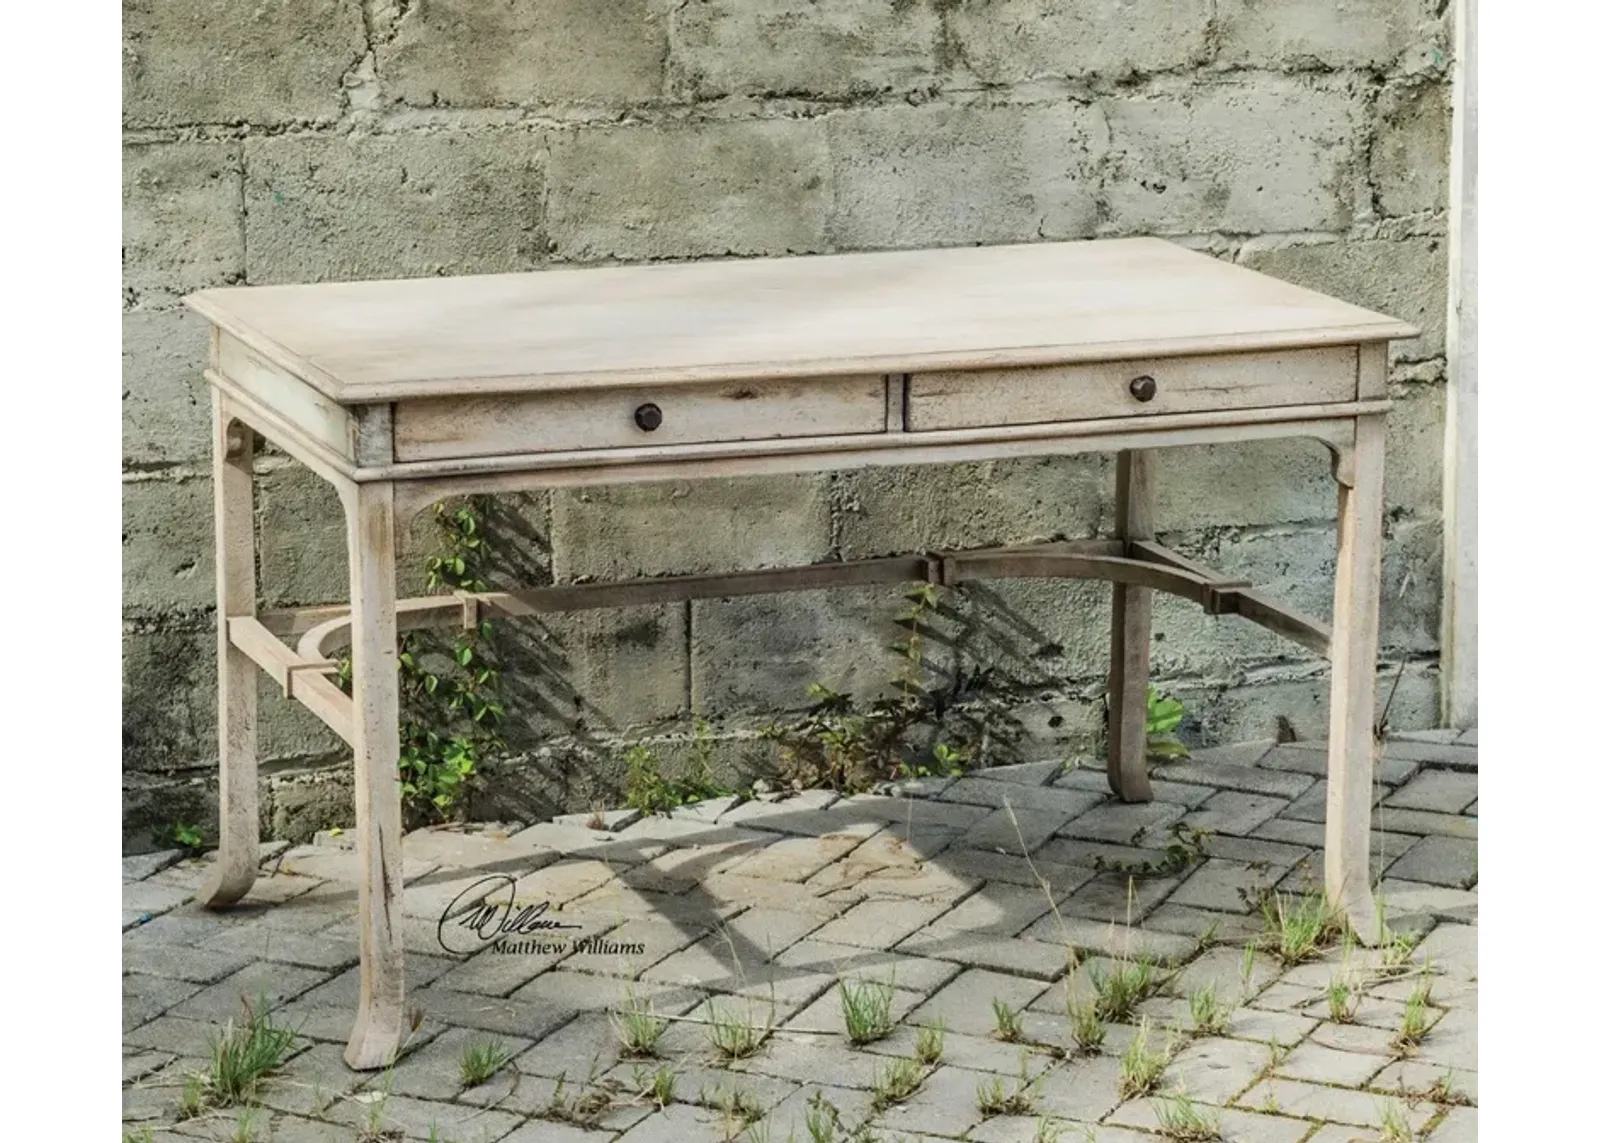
738,1107
823,1119
1343,999
659,1086
996,1098
1088,1027
1182,1119
1298,929
481,1059
1007,1021
1393,1128
734,1037
638,1028
1051,1130
1142,1065
1121,988
1208,1015
896,1080
242,1055
867,1005
1414,1023
930,1043
595,1098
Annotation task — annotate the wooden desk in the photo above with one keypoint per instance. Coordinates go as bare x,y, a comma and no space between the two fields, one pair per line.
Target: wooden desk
400,393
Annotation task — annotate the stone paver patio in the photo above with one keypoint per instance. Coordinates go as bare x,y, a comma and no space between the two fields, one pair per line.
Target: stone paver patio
757,911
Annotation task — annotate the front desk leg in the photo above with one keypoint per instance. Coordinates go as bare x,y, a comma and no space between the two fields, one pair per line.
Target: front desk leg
238,845
381,1021
1130,639
1354,652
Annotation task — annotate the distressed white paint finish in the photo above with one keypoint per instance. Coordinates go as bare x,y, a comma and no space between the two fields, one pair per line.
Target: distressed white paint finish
274,385
907,311
528,376
1458,648
239,813
950,400
441,427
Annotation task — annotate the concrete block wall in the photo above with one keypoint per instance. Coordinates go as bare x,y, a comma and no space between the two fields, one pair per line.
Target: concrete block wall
290,140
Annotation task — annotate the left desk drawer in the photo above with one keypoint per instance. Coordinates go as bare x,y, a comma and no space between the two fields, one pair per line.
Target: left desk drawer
636,417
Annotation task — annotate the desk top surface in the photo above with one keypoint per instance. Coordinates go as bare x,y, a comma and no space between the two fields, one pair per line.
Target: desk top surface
668,323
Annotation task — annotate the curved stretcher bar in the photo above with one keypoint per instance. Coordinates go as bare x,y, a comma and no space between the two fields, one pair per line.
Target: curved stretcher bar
1140,563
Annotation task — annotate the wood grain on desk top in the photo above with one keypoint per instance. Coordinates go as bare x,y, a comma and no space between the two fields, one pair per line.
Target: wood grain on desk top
665,323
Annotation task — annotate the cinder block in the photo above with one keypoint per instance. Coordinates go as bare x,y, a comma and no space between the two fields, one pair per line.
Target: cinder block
623,531
1404,278
759,653
593,672
1411,154
302,547
1292,566
169,700
151,806
464,53
829,49
516,530
304,801
560,776
391,206
301,539
1260,710
1310,33
167,562
1013,41
1243,485
211,61
1055,729
288,732
688,190
946,176
1413,470
181,226
948,507
1413,579
1032,632
166,407
1264,153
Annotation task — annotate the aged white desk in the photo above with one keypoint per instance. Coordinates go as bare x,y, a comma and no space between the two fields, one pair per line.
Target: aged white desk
400,393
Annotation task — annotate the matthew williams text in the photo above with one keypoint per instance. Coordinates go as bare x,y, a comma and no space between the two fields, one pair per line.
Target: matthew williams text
583,946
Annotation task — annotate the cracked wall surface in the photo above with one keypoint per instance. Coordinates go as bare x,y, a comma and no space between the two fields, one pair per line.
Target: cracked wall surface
335,139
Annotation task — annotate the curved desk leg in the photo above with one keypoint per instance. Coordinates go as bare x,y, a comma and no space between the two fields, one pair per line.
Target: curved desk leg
233,481
381,1021
1354,651
1130,639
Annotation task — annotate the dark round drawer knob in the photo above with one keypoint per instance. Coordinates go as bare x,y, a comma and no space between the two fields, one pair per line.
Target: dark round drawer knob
648,416
1142,388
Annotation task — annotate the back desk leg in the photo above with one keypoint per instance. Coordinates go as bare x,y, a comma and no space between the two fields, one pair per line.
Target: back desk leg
1130,639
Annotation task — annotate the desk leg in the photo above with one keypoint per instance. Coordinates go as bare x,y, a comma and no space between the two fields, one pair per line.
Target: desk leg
233,480
1354,651
381,1020
1130,639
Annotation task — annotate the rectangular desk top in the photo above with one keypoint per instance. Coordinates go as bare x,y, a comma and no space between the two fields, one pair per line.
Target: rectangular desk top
808,316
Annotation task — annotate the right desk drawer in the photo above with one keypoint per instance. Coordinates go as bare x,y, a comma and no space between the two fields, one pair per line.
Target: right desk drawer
1039,394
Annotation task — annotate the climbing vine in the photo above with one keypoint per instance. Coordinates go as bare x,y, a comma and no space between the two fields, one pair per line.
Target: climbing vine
451,712
844,744
449,685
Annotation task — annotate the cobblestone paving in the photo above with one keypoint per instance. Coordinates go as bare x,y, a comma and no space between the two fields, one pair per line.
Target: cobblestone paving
931,899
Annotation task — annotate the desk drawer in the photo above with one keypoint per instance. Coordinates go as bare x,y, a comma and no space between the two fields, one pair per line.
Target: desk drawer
1047,393
437,429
